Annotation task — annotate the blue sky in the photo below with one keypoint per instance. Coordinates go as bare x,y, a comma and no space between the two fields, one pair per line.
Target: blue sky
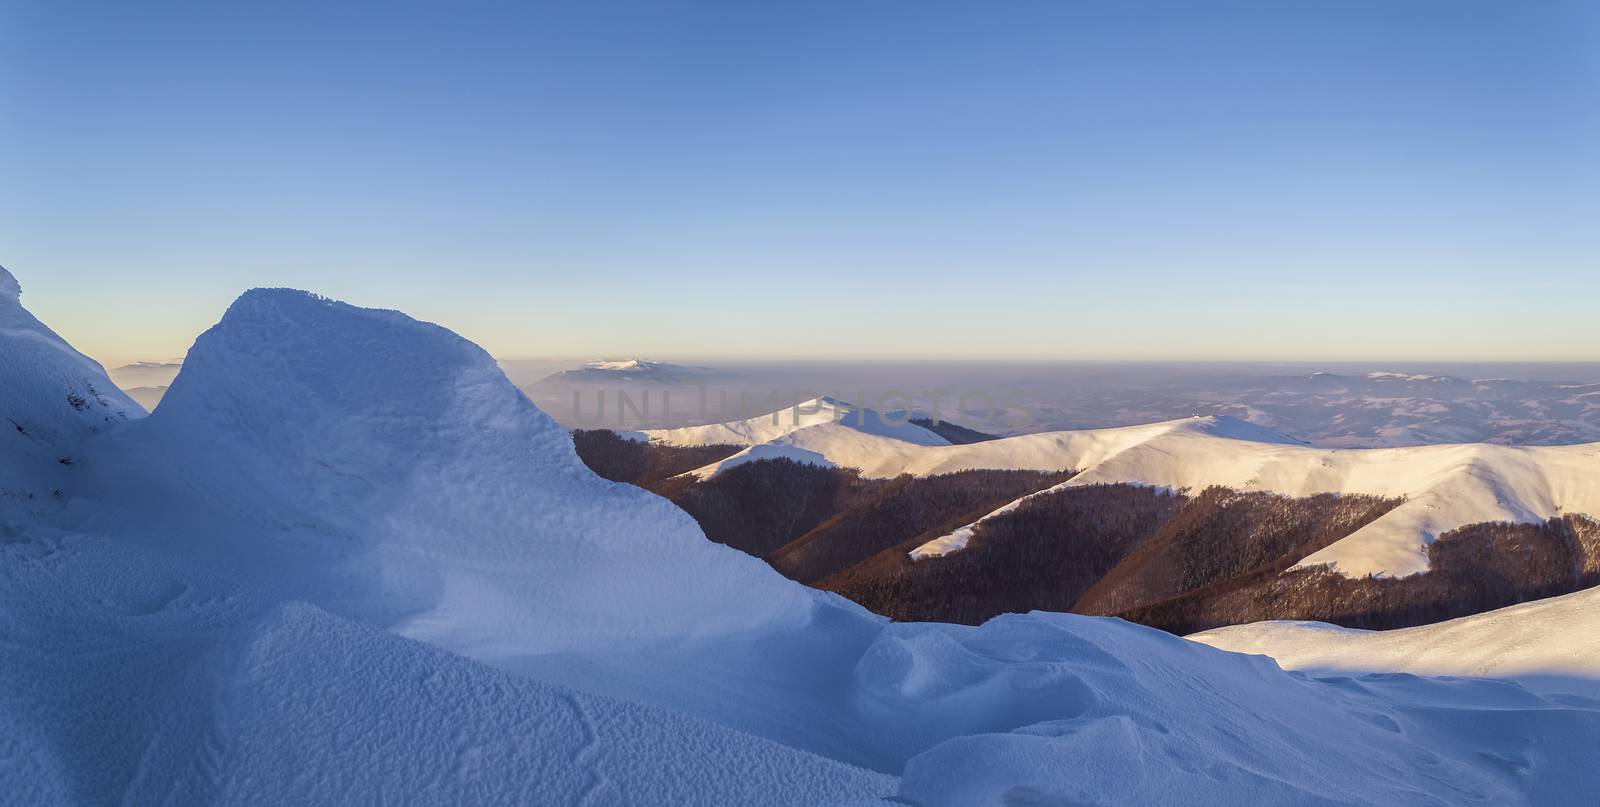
1220,180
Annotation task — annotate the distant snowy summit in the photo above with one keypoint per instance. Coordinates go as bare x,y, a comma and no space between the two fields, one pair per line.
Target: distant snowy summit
147,373
147,381
766,428
605,371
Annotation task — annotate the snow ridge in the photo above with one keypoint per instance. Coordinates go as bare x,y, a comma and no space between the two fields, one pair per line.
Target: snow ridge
9,287
1444,486
478,527
825,410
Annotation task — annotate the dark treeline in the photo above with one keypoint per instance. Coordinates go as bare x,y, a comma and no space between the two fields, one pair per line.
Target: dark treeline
638,462
1474,569
906,509
1041,556
808,521
758,507
1222,534
1176,561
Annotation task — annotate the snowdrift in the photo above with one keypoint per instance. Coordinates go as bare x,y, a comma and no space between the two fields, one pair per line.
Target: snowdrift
1118,714
1547,645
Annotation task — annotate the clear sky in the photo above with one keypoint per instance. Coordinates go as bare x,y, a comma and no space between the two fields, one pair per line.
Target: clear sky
1280,179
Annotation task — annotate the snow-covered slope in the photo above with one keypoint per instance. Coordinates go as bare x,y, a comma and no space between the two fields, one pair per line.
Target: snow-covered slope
1548,645
1444,486
845,420
51,398
131,678
211,615
1116,714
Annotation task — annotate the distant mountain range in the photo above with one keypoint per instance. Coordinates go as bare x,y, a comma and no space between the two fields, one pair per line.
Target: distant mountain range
1181,524
610,371
146,381
1370,410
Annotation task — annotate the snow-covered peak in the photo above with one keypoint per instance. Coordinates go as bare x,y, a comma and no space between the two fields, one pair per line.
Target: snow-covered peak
9,287
823,410
52,398
1384,375
620,365
452,507
610,371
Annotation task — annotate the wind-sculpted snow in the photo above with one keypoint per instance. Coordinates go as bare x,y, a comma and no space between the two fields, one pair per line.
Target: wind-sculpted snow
460,508
209,616
1106,712
132,681
380,719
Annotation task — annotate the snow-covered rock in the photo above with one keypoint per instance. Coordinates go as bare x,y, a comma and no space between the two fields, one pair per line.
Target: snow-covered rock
453,509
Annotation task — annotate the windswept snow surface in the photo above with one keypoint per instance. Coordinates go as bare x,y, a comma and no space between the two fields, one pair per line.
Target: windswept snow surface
1444,486
450,508
842,418
1548,645
222,608
1112,713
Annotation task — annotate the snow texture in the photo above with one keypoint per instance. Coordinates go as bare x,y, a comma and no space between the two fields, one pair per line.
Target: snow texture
458,511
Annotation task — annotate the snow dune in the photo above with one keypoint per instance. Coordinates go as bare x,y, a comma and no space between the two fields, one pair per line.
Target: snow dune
1444,486
1548,645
